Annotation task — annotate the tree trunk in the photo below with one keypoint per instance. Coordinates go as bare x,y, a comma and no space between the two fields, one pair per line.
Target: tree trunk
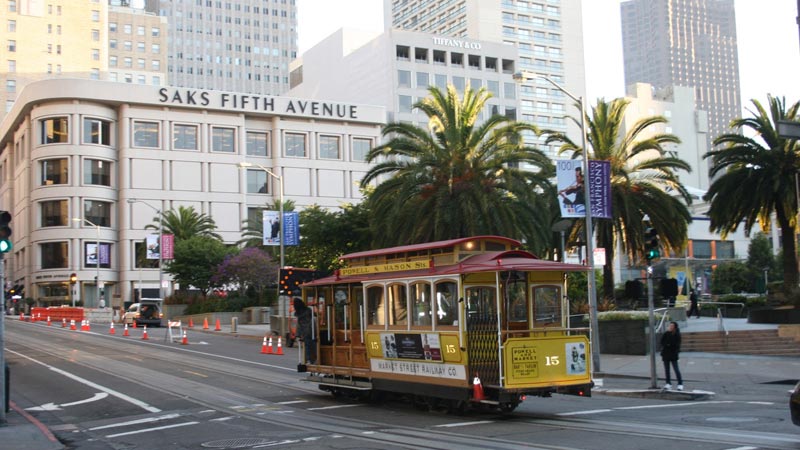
790,275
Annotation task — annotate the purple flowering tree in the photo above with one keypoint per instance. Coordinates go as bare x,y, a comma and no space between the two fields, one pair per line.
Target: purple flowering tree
250,268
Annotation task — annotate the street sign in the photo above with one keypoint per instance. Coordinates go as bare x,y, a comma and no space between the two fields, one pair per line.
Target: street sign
599,257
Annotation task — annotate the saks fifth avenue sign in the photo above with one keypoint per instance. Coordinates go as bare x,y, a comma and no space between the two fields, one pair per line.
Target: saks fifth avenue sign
257,103
458,43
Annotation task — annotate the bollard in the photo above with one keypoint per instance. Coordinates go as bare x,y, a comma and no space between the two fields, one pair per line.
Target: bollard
234,324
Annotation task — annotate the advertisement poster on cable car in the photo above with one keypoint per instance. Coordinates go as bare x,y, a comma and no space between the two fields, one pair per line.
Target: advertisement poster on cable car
423,346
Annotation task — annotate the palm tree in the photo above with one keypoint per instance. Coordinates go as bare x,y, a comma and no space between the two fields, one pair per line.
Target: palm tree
458,178
186,223
643,179
756,177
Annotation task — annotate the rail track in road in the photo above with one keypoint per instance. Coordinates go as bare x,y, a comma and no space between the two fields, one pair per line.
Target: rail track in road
255,391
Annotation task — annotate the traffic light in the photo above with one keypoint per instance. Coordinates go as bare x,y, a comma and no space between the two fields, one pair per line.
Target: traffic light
5,232
73,278
651,245
292,277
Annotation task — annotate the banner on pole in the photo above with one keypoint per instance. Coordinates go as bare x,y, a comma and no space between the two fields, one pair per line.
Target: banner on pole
570,181
272,228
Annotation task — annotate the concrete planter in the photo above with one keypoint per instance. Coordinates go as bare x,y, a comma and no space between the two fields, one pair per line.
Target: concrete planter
774,315
623,337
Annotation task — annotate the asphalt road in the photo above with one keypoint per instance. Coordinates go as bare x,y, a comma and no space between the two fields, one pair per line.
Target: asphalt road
96,391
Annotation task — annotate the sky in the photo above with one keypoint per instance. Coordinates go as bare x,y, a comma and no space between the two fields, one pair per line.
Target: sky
767,35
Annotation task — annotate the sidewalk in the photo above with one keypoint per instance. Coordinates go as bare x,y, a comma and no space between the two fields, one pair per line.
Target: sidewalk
621,375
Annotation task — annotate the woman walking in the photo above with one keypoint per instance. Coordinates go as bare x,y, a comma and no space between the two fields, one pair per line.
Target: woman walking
670,348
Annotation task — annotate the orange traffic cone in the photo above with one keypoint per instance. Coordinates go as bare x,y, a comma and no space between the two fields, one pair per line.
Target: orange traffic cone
125,332
280,347
477,389
144,335
72,325
22,317
185,340
88,327
83,325
48,321
205,323
269,346
217,327
63,322
191,324
264,346
134,324
111,330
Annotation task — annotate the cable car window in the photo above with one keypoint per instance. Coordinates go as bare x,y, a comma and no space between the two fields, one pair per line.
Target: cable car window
547,305
339,306
481,302
375,306
356,305
517,301
420,294
398,306
446,303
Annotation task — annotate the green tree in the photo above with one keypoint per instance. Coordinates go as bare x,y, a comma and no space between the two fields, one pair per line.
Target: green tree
759,259
196,260
643,183
458,178
327,235
186,223
754,172
731,277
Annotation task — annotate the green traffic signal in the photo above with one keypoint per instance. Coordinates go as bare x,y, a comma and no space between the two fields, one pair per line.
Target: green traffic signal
5,246
5,232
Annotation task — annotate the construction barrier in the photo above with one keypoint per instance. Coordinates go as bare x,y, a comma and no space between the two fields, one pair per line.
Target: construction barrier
59,314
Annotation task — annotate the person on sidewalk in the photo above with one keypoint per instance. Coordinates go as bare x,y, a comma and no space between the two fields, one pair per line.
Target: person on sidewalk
670,348
693,299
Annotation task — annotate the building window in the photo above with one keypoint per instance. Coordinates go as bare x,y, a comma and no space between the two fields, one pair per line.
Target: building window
12,5
96,131
54,171
12,26
257,144
95,16
257,182
96,172
295,145
329,147
128,46
493,87
361,148
155,31
112,27
11,85
112,61
403,78
12,66
54,255
95,54
701,249
12,46
55,213
112,43
155,48
725,250
510,90
145,134
440,81
95,35
128,61
127,28
184,137
223,139
55,130
404,103
140,47
459,83
140,30
97,212
422,80
156,64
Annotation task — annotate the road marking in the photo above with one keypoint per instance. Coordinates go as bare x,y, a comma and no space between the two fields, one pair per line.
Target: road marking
578,413
110,391
761,403
332,407
673,405
222,419
463,424
195,373
273,444
742,448
292,402
136,422
147,430
54,407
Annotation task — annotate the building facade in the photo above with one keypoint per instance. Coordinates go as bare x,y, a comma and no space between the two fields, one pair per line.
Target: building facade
231,45
547,33
689,43
402,66
73,153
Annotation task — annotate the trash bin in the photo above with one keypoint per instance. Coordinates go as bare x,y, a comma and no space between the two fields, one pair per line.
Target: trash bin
234,324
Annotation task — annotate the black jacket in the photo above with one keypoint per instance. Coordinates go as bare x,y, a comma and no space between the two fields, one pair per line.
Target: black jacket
670,346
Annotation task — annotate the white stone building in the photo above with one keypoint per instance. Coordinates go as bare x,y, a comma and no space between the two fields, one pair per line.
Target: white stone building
80,149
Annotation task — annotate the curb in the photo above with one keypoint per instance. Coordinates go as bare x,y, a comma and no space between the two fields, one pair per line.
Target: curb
657,394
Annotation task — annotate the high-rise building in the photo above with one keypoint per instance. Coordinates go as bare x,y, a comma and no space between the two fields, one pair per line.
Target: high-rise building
232,45
50,39
688,43
137,46
547,33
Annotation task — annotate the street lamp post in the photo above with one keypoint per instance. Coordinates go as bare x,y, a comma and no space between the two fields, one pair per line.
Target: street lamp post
244,165
160,246
97,254
523,76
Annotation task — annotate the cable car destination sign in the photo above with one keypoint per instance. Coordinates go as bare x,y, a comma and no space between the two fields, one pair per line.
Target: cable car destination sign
391,267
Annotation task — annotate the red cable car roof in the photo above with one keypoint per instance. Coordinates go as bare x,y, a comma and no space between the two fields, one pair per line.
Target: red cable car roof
429,246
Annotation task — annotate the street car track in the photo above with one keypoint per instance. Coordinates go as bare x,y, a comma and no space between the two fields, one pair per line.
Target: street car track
430,437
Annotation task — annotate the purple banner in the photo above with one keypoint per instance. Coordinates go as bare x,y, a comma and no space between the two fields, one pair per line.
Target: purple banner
600,189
